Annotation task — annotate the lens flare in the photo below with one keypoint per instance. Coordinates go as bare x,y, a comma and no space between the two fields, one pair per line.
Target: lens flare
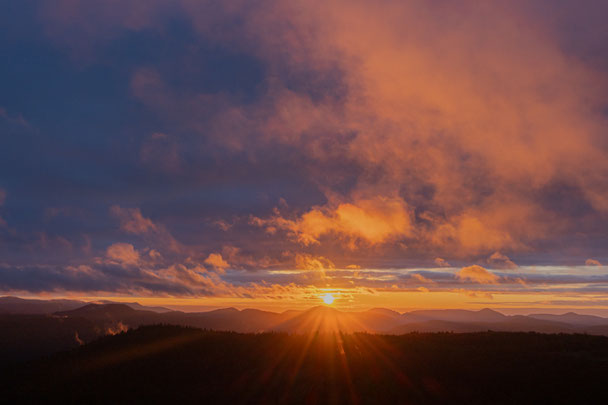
328,299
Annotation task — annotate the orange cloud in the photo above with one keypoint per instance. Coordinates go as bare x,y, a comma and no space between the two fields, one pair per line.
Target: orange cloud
592,262
216,260
375,220
477,274
478,129
494,122
305,261
122,253
420,278
223,225
500,261
132,221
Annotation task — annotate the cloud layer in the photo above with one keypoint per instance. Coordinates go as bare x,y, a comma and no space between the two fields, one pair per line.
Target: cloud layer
183,141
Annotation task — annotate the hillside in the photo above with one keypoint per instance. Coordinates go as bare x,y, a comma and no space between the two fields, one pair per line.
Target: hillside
164,364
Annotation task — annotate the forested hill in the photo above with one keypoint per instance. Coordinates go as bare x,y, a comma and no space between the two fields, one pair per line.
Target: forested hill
169,364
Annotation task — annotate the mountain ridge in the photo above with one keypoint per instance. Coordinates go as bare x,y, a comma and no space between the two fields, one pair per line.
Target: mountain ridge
322,318
42,332
327,319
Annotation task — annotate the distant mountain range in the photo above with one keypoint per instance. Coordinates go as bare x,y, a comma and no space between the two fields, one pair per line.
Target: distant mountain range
107,314
16,305
31,327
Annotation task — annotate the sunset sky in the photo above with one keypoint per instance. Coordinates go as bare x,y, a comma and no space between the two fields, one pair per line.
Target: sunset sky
398,154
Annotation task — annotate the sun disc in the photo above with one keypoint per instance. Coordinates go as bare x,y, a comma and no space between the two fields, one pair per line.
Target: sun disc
328,299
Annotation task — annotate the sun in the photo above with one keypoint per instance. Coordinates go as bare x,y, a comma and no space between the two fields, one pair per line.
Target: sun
328,298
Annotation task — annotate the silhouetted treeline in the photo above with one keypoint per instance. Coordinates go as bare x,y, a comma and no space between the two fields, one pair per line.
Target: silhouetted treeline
170,364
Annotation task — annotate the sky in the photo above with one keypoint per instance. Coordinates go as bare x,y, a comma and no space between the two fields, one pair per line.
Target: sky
403,154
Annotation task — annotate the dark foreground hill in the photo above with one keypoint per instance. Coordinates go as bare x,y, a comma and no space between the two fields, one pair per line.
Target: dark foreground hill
168,364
